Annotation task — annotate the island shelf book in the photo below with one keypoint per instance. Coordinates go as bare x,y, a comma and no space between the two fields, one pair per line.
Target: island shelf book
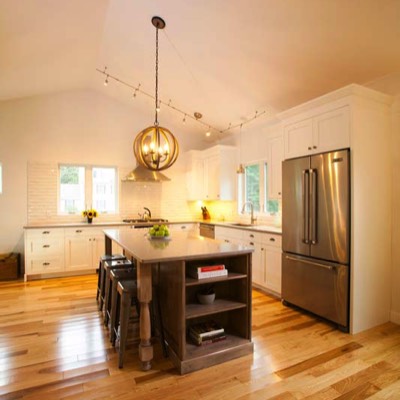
207,271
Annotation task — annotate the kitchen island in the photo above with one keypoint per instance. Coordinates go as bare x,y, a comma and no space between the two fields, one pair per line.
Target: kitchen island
164,265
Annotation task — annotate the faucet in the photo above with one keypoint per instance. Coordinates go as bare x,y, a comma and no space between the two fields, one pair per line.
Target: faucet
253,219
147,213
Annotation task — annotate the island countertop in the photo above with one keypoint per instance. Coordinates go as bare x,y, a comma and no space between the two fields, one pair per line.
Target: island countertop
179,246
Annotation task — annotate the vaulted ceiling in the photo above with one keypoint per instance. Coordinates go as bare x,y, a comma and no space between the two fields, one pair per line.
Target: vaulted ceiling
224,58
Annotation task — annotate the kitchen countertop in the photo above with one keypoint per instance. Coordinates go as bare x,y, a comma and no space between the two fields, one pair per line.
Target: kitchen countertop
239,225
227,224
180,246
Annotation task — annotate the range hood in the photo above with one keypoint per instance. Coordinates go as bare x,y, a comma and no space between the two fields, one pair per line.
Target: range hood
142,174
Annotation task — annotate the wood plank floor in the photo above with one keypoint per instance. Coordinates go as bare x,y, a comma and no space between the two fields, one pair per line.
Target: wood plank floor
53,346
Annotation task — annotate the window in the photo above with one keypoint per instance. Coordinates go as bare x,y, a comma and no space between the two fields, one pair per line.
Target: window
83,187
104,193
72,189
254,187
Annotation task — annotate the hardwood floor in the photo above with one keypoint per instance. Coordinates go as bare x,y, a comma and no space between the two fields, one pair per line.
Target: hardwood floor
53,346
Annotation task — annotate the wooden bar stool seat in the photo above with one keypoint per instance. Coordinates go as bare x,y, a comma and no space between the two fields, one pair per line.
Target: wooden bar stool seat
110,265
102,261
126,298
110,307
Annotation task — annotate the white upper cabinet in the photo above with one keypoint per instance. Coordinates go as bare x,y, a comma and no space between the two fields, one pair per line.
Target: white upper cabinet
320,133
211,174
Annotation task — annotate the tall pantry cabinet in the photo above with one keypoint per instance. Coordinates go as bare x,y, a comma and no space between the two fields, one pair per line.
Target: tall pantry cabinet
358,118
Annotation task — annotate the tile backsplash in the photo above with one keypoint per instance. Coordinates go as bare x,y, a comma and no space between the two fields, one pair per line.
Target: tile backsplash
165,200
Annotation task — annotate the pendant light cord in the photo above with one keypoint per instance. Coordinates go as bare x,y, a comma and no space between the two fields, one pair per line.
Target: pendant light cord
156,112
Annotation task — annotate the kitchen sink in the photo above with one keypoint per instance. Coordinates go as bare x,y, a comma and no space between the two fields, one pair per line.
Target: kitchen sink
240,224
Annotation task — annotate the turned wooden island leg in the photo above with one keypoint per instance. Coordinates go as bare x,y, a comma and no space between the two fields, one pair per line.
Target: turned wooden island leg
144,296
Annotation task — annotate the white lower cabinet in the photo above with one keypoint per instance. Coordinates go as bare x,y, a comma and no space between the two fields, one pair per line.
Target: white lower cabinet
83,248
266,258
44,251
64,251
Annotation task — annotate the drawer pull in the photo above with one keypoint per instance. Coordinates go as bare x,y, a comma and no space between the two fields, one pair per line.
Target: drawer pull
46,246
251,235
45,232
272,239
78,231
183,227
46,263
251,243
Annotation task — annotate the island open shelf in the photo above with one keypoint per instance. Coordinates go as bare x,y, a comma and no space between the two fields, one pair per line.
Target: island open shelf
231,310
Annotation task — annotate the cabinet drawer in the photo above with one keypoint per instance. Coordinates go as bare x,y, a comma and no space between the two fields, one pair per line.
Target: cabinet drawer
48,264
75,233
45,246
272,240
44,233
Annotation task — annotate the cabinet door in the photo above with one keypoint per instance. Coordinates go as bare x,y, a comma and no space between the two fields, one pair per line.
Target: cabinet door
275,150
98,249
195,178
272,268
212,177
257,265
298,138
78,253
331,130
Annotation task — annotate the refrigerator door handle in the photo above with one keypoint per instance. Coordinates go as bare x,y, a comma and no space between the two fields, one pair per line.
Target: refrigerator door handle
330,267
314,214
306,206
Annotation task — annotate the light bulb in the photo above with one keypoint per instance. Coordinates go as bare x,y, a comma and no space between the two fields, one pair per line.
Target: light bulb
145,149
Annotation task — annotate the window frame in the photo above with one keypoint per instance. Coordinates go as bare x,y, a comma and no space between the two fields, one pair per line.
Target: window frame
88,187
263,187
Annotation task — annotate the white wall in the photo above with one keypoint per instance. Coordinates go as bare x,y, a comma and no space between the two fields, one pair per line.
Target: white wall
395,314
73,127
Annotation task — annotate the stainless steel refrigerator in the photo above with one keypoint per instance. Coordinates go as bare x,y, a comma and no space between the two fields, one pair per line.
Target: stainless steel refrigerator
316,234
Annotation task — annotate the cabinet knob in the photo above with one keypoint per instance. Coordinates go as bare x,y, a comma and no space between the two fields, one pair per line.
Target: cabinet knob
45,232
272,239
314,147
46,263
251,243
309,148
90,240
280,193
78,231
251,235
46,245
183,227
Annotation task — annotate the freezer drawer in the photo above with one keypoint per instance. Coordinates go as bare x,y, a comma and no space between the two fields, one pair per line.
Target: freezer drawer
317,286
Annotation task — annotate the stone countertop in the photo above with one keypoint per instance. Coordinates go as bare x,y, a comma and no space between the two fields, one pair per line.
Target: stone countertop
94,224
227,224
250,227
179,246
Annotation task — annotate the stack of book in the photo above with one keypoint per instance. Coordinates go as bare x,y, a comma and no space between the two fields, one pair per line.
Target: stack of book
206,333
207,271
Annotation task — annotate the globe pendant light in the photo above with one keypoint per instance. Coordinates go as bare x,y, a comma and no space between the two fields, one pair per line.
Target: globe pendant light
155,147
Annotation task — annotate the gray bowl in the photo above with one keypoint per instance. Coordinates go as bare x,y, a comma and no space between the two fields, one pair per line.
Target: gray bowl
206,298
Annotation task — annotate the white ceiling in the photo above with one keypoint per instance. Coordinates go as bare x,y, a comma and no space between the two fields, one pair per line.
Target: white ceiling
224,58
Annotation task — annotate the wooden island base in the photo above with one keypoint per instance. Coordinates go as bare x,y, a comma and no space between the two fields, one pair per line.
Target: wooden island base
165,270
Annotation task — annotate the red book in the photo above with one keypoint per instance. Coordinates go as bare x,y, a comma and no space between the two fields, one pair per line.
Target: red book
209,268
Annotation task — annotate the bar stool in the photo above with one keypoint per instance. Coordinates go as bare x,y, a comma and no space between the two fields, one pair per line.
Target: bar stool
126,299
110,304
100,278
109,265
